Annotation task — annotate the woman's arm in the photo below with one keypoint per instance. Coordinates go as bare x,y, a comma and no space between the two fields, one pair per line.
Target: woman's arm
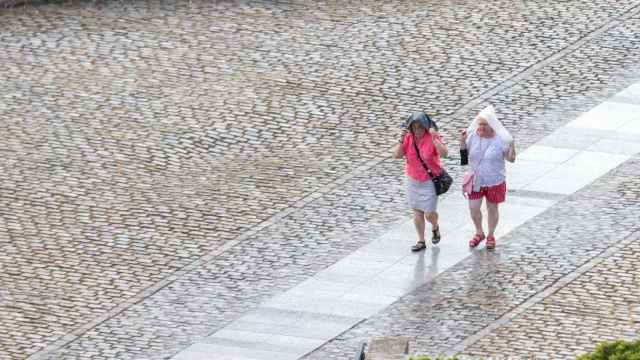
464,153
398,150
440,146
510,155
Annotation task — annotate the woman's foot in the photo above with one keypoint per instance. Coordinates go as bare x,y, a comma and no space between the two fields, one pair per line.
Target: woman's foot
436,235
420,245
491,243
477,239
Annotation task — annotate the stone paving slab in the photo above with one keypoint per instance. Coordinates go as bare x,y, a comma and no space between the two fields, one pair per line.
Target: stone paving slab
629,95
209,351
282,343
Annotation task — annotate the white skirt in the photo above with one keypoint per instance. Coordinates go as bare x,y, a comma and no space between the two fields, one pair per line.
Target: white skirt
422,195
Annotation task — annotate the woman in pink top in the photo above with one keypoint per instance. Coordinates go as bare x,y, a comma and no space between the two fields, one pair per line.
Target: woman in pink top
422,134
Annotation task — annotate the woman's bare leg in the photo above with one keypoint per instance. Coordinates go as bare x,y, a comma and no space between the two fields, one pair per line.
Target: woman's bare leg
494,216
418,221
432,218
476,214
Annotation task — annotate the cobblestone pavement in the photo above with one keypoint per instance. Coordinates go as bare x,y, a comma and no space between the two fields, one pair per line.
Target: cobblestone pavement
169,165
600,305
475,293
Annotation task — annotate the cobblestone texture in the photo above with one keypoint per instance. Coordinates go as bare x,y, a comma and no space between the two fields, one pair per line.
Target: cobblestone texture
281,256
474,293
600,305
140,136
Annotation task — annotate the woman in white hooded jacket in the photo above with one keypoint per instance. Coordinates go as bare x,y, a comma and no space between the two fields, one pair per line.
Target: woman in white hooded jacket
485,145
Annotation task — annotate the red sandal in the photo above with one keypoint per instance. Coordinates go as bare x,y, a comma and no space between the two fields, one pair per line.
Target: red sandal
477,239
491,243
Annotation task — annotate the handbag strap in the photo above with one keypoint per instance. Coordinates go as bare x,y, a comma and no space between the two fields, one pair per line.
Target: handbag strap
420,157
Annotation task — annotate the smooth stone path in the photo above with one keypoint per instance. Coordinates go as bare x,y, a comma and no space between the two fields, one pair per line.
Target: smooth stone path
298,321
387,348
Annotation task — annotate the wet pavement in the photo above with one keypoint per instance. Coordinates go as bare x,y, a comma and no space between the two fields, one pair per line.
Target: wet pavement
170,167
344,299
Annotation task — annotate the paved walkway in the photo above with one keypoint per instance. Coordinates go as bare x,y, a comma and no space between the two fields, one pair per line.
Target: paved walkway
170,167
375,276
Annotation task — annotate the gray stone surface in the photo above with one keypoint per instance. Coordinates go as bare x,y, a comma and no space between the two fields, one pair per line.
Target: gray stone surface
218,351
629,96
387,346
600,305
265,341
480,290
140,137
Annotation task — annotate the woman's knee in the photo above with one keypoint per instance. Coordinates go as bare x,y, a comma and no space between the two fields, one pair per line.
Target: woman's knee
431,216
475,205
492,207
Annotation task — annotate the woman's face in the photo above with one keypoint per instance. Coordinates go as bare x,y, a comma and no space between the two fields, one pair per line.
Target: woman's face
417,129
484,129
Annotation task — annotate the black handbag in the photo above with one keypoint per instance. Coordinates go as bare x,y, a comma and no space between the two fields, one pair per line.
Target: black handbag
441,182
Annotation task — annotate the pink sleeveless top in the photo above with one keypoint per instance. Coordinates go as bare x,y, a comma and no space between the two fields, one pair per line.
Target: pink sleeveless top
428,152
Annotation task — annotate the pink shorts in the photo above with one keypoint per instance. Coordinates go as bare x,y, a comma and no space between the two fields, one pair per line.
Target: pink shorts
494,194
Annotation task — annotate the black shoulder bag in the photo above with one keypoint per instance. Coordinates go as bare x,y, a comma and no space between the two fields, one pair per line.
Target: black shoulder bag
441,182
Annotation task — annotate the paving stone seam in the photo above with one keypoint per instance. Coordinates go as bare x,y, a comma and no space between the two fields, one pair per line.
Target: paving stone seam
540,296
70,337
513,80
582,312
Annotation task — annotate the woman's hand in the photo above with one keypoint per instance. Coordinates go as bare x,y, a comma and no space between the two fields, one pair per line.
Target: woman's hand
437,142
510,156
398,151
463,139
